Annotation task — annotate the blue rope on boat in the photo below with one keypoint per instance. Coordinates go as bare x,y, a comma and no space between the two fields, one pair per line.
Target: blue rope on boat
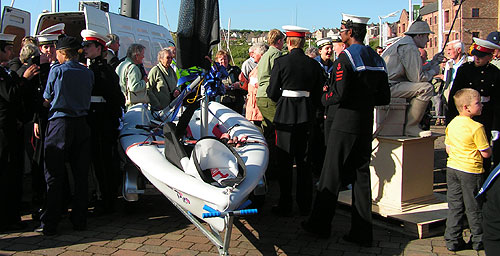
211,212
212,83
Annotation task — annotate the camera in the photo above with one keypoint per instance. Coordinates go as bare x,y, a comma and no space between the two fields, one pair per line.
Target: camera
33,60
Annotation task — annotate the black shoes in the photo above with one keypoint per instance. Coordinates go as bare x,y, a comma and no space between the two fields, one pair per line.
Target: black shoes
46,231
281,211
357,240
16,226
320,233
478,246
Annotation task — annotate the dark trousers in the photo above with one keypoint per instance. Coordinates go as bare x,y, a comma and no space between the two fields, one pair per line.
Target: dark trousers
317,148
347,160
491,219
67,140
291,143
10,177
104,160
462,187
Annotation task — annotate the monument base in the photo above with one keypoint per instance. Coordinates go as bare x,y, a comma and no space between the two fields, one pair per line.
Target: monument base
422,219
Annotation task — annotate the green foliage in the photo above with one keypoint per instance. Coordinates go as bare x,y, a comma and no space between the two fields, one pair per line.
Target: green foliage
239,51
373,43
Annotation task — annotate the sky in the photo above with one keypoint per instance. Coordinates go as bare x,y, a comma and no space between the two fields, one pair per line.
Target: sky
246,14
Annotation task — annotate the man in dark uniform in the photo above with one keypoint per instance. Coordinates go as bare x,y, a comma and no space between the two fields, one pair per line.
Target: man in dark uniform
317,145
113,44
11,90
295,85
357,84
67,139
106,106
484,78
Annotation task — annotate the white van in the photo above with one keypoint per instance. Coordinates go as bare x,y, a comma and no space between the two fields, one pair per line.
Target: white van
153,37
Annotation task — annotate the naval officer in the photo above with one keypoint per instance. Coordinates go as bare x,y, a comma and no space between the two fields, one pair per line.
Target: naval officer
295,84
67,94
358,83
106,106
11,91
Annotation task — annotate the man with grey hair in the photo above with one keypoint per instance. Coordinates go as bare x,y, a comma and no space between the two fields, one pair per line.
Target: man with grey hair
408,79
250,63
113,46
312,52
456,54
131,78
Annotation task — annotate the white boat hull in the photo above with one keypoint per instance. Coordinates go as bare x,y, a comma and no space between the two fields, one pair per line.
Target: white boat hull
187,191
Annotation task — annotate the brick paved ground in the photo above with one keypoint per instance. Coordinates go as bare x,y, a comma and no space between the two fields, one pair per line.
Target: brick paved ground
153,226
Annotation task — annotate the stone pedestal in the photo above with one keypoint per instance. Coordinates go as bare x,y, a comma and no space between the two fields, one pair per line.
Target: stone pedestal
402,174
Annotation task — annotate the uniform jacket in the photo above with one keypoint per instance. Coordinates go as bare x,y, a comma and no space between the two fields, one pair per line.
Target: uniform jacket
106,85
161,85
355,87
112,59
297,72
404,63
485,80
69,89
11,89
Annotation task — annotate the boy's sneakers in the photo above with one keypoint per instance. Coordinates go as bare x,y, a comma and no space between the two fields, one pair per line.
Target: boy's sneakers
456,246
478,246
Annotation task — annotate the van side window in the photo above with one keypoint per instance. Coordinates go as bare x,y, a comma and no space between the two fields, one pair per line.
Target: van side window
126,39
149,62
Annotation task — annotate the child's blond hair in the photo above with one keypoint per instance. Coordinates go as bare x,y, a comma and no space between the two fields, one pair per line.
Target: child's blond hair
464,97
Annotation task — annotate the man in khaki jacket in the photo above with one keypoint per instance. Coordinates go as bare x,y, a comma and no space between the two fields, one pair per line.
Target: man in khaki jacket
408,79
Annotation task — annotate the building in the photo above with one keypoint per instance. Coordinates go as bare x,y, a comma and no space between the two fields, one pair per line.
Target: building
475,19
429,14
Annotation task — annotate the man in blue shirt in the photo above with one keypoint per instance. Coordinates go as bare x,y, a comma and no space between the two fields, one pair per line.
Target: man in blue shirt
67,95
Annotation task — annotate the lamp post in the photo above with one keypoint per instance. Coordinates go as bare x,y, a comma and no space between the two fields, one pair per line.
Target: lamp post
392,14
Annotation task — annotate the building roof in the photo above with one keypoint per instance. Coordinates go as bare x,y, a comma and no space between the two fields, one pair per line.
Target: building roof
429,8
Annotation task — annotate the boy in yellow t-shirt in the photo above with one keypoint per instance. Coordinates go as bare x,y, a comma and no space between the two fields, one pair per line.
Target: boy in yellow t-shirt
466,145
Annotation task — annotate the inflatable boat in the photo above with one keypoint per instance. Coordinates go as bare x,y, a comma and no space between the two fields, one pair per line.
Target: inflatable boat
206,159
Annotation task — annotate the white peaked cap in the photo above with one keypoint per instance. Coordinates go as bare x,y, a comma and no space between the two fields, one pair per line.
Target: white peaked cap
56,29
324,41
336,38
355,19
47,39
485,44
8,38
295,31
90,35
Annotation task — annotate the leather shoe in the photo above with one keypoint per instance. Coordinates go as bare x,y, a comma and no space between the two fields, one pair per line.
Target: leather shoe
358,241
281,211
306,226
79,227
46,231
478,246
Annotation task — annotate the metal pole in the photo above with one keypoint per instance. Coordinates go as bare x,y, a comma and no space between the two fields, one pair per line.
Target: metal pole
410,16
440,23
11,3
54,4
380,31
158,11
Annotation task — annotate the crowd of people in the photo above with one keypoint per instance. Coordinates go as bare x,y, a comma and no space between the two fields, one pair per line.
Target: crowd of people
314,107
